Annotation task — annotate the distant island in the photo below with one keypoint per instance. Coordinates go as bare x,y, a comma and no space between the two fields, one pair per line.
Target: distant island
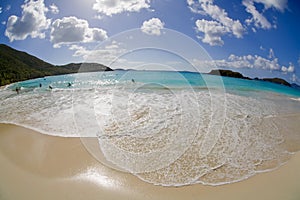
229,73
19,66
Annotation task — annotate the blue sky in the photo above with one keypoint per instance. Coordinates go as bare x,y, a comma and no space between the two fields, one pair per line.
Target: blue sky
259,38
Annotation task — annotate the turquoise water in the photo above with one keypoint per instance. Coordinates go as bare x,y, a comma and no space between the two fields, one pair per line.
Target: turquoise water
166,128
164,79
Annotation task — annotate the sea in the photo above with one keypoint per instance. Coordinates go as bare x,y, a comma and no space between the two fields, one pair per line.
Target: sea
167,128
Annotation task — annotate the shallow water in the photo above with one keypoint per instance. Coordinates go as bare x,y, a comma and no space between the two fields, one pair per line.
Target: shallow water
167,128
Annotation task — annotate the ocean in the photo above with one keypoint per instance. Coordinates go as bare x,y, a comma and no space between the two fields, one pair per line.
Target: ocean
167,128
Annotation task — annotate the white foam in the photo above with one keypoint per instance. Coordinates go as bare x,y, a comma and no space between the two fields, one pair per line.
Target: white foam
295,99
158,127
244,140
164,137
46,112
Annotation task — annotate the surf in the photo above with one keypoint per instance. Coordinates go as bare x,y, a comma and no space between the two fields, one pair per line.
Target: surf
166,128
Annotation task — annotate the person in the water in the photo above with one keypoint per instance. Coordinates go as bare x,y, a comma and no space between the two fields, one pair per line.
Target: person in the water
69,84
18,90
50,87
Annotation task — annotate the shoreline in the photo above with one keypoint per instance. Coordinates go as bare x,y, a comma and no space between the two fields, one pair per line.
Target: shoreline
38,166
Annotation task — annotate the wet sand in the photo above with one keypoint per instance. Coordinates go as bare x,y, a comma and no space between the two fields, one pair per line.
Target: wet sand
37,166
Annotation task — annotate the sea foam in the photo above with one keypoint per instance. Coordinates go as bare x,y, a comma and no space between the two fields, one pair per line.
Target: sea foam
165,135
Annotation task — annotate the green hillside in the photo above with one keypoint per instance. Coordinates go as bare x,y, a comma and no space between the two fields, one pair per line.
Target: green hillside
18,66
229,73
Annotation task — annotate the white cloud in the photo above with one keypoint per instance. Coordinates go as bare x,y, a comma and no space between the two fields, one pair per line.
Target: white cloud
212,31
111,7
258,62
220,24
257,18
294,78
105,55
262,48
247,61
8,7
289,69
96,34
152,26
253,30
33,22
271,54
0,10
221,16
277,4
98,17
70,30
54,9
234,27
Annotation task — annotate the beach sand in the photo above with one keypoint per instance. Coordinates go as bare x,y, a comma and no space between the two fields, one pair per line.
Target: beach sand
37,166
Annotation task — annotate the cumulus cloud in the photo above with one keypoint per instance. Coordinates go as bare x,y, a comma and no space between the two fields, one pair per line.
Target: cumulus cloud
54,9
252,61
290,68
0,10
96,34
249,62
111,7
212,30
152,26
220,24
33,21
277,4
257,18
70,30
105,55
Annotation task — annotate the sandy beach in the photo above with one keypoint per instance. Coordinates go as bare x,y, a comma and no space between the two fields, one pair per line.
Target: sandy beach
37,166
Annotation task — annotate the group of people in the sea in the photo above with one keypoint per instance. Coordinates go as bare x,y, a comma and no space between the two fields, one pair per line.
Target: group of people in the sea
18,89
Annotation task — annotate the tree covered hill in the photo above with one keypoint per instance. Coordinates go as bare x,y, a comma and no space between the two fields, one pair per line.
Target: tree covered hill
229,73
18,66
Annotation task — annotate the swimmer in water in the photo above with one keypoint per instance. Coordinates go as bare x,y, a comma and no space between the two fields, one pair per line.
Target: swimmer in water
18,90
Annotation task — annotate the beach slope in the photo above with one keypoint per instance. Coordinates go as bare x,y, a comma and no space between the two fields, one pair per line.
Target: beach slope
37,166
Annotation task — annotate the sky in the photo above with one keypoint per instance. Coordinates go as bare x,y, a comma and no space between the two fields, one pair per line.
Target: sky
259,38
